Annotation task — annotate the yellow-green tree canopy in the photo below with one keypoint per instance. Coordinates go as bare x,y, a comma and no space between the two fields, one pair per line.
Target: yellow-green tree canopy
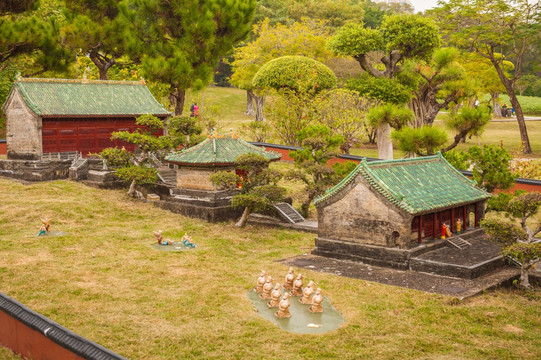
298,73
307,38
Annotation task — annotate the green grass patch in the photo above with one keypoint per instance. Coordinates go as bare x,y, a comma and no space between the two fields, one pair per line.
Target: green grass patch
105,282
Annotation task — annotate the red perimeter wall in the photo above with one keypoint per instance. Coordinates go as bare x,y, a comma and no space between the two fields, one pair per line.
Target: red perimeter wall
29,343
285,157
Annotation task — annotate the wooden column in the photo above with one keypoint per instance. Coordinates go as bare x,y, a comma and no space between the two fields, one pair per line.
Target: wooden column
452,220
464,214
420,237
476,216
434,226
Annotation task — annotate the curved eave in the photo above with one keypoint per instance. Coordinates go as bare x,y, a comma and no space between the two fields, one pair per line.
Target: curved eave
180,163
47,116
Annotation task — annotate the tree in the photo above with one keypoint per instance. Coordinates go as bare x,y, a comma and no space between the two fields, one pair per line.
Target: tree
490,167
343,112
318,147
334,13
258,189
182,41
420,141
517,242
493,27
436,83
307,38
96,29
296,80
383,118
25,29
467,122
139,169
485,76
399,38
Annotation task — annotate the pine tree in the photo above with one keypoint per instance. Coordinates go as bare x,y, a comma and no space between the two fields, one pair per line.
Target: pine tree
181,42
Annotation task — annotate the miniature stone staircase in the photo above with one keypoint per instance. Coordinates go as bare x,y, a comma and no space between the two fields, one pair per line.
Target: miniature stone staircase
458,242
167,175
288,213
79,168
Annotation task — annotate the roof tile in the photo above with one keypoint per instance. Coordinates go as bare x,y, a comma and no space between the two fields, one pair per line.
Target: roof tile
88,97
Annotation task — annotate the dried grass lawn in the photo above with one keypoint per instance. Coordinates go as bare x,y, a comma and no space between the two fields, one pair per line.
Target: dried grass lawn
105,282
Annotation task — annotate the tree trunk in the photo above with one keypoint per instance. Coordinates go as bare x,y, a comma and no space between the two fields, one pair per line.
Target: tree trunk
131,191
497,110
509,86
524,279
385,145
102,65
250,103
244,218
521,122
259,103
179,95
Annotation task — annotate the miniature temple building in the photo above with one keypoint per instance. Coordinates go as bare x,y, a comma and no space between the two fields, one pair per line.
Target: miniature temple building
217,153
195,195
59,115
396,204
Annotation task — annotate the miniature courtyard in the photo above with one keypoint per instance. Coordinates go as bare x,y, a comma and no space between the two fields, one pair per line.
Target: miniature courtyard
105,280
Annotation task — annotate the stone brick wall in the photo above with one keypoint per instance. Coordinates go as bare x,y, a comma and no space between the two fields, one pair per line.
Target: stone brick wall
35,170
23,130
196,178
362,216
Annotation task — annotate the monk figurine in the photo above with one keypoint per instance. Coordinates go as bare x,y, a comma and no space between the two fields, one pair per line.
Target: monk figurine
316,302
42,230
283,307
448,230
159,237
458,226
267,289
288,285
443,231
275,296
260,282
307,293
47,224
297,286
187,241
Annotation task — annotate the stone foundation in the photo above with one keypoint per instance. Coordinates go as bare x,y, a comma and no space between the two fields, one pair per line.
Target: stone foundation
434,256
35,170
211,206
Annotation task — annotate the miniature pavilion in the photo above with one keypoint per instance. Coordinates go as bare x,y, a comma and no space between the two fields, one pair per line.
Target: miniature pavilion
217,153
60,115
397,204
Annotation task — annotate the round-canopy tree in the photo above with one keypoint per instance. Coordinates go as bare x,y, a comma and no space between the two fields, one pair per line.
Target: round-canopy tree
296,80
298,73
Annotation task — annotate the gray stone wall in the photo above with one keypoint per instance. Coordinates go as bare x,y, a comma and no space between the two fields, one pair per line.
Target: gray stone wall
35,170
364,217
23,129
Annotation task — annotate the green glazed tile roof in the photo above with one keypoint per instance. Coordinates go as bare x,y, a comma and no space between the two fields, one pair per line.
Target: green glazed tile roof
88,97
219,149
416,185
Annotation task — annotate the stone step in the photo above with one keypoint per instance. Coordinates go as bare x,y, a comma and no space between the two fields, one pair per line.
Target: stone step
288,213
458,242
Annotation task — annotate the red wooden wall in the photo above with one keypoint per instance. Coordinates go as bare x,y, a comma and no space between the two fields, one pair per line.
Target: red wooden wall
84,135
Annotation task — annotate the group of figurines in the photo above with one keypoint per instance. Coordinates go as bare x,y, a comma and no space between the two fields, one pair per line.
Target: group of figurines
186,240
446,229
45,227
308,296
